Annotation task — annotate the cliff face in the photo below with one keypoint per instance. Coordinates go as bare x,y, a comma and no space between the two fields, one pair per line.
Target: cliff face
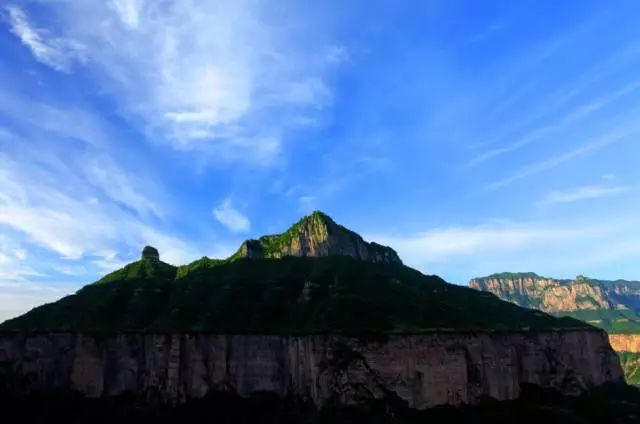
317,235
611,305
547,294
424,370
625,342
628,348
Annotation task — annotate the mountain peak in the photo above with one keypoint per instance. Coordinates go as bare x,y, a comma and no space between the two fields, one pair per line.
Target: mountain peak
316,234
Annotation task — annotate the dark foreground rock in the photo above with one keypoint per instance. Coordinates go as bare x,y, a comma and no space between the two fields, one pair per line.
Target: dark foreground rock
614,404
422,370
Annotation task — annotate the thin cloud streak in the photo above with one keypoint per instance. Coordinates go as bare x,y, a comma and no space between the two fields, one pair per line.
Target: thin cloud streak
573,117
613,137
584,193
58,53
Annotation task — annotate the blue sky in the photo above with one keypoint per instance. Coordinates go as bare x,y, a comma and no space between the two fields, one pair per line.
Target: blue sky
473,137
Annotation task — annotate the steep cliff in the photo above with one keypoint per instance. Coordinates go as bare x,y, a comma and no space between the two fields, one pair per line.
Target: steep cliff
547,294
611,305
424,370
316,235
628,348
625,342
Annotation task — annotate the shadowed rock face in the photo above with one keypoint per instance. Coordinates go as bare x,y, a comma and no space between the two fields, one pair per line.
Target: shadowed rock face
150,254
424,370
317,235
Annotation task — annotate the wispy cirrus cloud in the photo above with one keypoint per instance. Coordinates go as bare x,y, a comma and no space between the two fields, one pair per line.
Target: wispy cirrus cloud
223,77
58,53
574,116
75,214
614,136
584,193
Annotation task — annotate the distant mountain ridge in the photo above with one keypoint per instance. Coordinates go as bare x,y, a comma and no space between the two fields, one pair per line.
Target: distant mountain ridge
562,296
613,305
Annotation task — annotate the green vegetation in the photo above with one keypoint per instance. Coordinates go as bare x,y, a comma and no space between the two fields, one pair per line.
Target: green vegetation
142,270
512,275
202,263
612,321
291,295
630,362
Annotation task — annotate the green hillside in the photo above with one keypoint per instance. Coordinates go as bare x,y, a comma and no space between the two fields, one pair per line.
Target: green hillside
612,321
291,295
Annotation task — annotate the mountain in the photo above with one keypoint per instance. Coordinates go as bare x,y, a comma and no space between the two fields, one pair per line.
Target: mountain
611,305
315,312
316,235
316,277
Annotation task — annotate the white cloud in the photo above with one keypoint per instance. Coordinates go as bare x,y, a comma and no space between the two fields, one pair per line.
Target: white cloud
70,122
119,186
223,77
231,218
584,193
445,243
129,11
76,215
59,53
559,249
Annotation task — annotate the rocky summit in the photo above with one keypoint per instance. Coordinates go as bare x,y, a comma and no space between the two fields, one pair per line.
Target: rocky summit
315,313
150,254
317,235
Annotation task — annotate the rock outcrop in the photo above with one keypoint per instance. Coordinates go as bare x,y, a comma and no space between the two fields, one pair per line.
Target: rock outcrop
628,348
625,342
611,305
150,254
424,370
317,235
547,294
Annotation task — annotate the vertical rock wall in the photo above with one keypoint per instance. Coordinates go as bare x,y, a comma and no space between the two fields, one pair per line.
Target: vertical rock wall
425,370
